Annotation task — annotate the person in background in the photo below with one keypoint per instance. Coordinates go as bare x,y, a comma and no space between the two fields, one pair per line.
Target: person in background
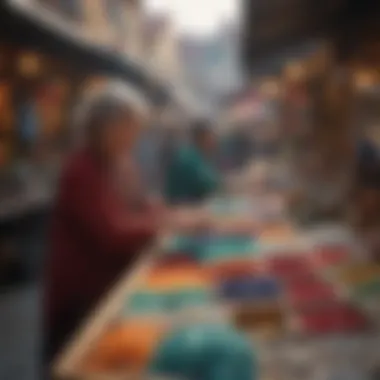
365,205
367,177
94,235
147,157
173,140
367,159
191,175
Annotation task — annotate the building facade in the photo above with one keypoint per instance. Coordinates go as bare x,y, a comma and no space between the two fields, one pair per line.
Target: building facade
114,24
160,48
211,65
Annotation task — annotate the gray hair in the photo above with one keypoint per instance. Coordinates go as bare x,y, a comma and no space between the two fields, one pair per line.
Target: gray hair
113,102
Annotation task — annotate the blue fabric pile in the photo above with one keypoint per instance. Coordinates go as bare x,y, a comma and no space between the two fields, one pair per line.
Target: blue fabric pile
250,288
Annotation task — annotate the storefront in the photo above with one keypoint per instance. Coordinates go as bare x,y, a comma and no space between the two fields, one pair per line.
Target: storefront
367,99
36,93
44,64
326,110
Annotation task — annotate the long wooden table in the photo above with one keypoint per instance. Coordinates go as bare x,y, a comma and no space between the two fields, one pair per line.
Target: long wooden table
275,355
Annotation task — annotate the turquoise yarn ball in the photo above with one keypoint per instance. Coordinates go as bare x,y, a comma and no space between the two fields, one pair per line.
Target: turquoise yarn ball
205,352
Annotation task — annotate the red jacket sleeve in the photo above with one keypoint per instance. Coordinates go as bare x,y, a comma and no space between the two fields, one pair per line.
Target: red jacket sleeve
89,205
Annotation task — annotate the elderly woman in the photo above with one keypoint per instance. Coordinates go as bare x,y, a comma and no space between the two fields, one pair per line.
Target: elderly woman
191,174
96,233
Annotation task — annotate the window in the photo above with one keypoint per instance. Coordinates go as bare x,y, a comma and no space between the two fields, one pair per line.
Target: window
115,14
71,9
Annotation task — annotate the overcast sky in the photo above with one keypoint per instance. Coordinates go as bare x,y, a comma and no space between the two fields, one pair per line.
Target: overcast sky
196,17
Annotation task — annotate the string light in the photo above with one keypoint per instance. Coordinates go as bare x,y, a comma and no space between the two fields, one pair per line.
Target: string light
364,79
270,88
29,65
294,71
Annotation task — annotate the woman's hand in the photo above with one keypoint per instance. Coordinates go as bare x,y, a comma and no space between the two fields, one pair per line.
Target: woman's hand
187,220
231,226
155,204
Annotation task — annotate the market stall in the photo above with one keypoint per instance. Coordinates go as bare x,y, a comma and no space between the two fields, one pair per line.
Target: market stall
320,104
45,64
284,289
37,92
246,128
319,138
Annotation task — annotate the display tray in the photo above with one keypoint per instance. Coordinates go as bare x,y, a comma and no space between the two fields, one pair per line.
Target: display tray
282,296
68,365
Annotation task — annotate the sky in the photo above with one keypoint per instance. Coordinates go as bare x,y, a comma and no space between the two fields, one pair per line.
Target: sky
196,17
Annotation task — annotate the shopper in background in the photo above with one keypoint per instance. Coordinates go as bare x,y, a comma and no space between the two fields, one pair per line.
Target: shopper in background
147,157
368,160
365,205
237,147
367,181
191,174
173,140
94,235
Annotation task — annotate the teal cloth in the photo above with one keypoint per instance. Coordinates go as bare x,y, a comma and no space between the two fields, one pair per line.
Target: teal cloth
205,352
190,176
163,302
230,206
188,298
229,248
207,249
184,244
145,302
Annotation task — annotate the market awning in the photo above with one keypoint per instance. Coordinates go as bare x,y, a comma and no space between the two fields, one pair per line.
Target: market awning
272,25
29,26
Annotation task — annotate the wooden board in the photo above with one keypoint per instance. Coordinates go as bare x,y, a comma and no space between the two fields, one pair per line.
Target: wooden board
288,331
66,365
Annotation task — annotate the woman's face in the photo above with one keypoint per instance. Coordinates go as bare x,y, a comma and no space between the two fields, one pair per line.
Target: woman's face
120,136
208,142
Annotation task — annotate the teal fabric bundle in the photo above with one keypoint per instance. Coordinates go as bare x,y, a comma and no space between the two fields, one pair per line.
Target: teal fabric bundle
145,302
229,247
213,248
205,352
190,245
230,206
165,302
191,298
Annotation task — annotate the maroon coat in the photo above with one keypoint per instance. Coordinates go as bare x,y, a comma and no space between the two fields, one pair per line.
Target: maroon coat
93,240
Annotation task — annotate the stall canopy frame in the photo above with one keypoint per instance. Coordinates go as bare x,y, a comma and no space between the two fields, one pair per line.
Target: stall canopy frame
270,26
23,24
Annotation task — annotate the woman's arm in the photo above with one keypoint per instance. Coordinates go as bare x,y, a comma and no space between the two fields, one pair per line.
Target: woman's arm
93,211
